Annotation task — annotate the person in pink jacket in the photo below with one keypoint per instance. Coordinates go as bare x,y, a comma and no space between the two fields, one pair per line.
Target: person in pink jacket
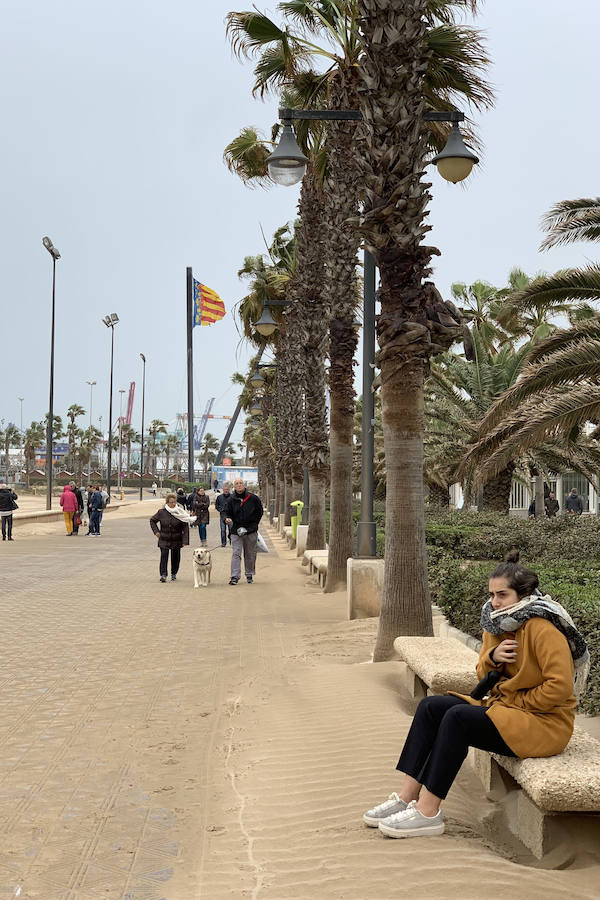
68,501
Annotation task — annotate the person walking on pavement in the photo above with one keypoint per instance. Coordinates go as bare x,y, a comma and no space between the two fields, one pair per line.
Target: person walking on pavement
243,512
215,485
220,504
552,505
199,509
77,514
181,498
573,504
154,487
69,504
96,507
171,526
8,504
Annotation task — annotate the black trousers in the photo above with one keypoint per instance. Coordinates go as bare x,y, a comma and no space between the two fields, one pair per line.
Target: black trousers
441,733
7,525
164,560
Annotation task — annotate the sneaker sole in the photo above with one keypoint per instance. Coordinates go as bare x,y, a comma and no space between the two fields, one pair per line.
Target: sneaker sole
423,831
371,821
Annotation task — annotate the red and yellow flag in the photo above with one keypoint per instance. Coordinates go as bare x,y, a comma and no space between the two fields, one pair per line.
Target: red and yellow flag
208,306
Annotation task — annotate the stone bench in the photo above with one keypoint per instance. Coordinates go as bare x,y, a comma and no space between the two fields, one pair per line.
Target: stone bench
549,803
310,558
320,568
287,534
437,664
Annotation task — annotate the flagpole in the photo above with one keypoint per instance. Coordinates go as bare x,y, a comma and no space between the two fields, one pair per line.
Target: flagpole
190,372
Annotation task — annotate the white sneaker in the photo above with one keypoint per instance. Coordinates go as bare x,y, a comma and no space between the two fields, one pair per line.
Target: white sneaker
412,823
392,805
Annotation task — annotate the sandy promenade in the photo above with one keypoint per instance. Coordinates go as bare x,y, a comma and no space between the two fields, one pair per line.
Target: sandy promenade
161,743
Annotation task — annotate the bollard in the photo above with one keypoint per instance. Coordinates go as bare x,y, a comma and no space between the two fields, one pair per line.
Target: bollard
296,519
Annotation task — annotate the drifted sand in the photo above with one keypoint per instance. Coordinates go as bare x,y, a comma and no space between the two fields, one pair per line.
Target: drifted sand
219,744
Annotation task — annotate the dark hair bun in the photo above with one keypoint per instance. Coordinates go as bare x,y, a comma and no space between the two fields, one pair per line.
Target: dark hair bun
512,556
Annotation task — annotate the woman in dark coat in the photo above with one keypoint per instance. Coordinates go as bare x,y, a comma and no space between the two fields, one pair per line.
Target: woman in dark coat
171,525
199,508
7,505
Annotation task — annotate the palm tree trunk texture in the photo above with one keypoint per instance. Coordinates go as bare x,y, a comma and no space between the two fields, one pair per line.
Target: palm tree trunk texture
288,497
315,538
341,289
312,325
341,422
496,493
415,323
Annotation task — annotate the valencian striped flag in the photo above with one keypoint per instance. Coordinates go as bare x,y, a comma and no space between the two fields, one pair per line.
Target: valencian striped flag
208,306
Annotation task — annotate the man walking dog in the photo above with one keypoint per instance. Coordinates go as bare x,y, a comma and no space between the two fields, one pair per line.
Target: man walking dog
243,511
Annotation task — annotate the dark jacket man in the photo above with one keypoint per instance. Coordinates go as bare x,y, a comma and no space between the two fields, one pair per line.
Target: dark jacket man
221,502
245,511
552,507
97,501
7,499
573,503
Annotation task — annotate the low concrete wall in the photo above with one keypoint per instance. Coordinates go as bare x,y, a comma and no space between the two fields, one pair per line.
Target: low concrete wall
48,515
365,584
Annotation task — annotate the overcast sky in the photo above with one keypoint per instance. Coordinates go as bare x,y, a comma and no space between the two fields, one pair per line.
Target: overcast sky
114,120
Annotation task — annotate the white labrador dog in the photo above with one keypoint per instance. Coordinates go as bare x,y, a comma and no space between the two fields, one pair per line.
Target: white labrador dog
202,563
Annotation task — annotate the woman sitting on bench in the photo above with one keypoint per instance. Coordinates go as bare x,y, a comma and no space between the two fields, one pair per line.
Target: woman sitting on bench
533,662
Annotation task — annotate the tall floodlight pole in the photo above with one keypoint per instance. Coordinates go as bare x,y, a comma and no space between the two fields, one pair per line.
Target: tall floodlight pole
190,370
143,358
20,399
110,322
50,425
91,384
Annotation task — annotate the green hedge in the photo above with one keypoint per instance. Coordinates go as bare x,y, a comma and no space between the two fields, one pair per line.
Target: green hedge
459,587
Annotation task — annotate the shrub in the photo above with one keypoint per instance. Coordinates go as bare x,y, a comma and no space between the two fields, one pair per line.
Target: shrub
460,589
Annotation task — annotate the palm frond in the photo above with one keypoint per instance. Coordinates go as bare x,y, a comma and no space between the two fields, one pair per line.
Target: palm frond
566,286
572,220
251,31
246,156
581,331
458,61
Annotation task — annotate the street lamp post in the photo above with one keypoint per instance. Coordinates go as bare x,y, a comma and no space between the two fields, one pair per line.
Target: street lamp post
287,165
91,384
110,322
120,478
143,358
50,425
20,399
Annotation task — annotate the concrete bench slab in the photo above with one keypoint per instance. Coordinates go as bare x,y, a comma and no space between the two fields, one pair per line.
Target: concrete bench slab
320,566
439,663
310,555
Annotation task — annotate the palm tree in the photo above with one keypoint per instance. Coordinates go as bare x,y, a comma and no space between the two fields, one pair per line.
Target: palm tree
73,412
156,427
170,446
209,444
558,391
128,435
34,437
397,67
452,58
9,437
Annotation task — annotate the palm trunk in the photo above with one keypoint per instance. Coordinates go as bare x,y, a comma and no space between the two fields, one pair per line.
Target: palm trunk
340,450
496,493
289,496
315,538
406,606
129,457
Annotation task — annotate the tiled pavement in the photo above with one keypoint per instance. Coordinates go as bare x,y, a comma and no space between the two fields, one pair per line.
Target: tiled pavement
112,689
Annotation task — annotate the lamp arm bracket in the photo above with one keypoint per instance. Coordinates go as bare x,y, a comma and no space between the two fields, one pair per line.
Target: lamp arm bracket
340,115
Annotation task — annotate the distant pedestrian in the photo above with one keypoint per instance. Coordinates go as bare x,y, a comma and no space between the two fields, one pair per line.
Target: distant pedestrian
69,504
531,510
220,504
215,484
105,497
85,513
573,504
181,497
96,509
171,526
154,487
552,506
8,503
243,512
77,516
199,509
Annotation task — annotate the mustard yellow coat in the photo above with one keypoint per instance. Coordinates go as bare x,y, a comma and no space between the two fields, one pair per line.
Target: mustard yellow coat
533,707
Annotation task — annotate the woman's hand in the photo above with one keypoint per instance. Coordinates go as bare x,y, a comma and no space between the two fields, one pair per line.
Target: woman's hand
505,652
229,521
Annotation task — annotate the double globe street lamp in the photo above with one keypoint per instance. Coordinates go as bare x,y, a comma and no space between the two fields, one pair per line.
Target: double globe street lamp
110,321
52,250
287,166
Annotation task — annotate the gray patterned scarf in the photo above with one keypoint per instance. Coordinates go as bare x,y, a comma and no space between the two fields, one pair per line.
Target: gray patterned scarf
511,618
